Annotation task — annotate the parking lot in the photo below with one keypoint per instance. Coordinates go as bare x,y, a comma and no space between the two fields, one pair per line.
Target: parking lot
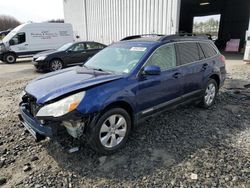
184,147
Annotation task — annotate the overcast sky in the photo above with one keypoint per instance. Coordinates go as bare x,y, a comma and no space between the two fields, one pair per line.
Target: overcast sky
32,10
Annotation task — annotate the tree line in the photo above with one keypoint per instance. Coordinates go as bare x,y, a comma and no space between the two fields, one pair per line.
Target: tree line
8,22
210,26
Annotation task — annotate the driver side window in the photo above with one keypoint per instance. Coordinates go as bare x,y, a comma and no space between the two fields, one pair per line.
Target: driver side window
164,57
19,38
78,47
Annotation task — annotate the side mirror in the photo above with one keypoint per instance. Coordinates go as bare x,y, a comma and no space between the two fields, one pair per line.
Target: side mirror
152,70
69,51
11,42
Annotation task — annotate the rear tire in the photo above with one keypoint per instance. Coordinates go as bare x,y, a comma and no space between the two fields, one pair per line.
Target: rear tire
55,64
209,94
111,131
10,58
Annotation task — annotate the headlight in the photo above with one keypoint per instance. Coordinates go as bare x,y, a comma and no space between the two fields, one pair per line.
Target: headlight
41,58
21,96
62,106
1,47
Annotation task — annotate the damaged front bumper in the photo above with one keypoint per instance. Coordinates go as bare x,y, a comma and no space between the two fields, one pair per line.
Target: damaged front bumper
73,124
37,129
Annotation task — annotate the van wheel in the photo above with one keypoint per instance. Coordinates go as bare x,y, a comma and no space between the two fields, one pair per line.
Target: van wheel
55,64
111,131
209,94
10,58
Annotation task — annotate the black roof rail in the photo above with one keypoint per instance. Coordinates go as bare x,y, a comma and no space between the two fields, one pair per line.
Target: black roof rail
182,36
141,36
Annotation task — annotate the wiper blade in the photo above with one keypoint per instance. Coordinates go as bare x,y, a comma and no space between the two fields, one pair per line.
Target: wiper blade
99,69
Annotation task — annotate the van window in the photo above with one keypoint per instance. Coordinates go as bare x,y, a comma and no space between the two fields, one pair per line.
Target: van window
208,49
164,57
19,38
187,52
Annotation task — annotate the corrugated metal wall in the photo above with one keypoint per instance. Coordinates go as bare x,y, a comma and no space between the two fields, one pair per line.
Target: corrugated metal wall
110,20
74,14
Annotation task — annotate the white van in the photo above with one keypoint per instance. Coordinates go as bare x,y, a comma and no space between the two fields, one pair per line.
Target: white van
30,38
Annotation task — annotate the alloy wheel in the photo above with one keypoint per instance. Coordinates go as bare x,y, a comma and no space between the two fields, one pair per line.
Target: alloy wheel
210,94
56,65
113,131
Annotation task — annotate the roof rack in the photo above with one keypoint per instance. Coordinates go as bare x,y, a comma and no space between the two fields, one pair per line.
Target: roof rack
182,36
163,38
141,36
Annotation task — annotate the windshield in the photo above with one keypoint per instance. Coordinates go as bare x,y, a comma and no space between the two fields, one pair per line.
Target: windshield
118,59
9,36
65,47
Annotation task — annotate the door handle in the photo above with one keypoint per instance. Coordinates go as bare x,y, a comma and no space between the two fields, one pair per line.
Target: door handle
204,66
176,75
25,44
83,52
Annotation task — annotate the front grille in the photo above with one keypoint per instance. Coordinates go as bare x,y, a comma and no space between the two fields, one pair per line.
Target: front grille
32,106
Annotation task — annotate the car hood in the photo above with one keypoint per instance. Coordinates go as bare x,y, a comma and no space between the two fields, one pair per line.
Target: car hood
46,53
53,85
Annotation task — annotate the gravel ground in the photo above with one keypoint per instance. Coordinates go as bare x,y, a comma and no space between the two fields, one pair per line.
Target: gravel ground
184,147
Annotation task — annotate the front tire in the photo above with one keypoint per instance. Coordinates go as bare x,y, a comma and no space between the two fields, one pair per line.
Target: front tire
55,64
209,94
10,58
111,131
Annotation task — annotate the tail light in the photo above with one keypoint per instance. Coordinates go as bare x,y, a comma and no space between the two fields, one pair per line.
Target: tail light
223,59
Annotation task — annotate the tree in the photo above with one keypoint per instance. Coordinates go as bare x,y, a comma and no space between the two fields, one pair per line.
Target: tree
8,22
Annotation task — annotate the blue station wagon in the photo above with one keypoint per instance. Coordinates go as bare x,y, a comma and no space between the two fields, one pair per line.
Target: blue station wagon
120,86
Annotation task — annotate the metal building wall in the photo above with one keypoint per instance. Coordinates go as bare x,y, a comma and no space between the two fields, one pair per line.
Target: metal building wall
74,14
110,20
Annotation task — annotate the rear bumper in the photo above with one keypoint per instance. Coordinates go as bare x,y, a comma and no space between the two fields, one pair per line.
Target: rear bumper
222,76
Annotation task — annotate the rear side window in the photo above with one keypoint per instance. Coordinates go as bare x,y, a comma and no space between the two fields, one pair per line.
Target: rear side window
208,49
78,47
187,52
164,57
201,54
93,45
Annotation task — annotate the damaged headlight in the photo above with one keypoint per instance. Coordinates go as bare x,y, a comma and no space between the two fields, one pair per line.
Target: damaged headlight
62,106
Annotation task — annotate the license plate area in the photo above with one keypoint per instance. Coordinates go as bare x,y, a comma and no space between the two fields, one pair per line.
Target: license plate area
38,137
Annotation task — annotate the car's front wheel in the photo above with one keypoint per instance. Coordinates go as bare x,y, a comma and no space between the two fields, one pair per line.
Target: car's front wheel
209,94
111,131
10,58
56,64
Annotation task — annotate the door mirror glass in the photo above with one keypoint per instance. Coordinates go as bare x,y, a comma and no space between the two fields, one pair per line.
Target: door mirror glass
152,70
11,42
